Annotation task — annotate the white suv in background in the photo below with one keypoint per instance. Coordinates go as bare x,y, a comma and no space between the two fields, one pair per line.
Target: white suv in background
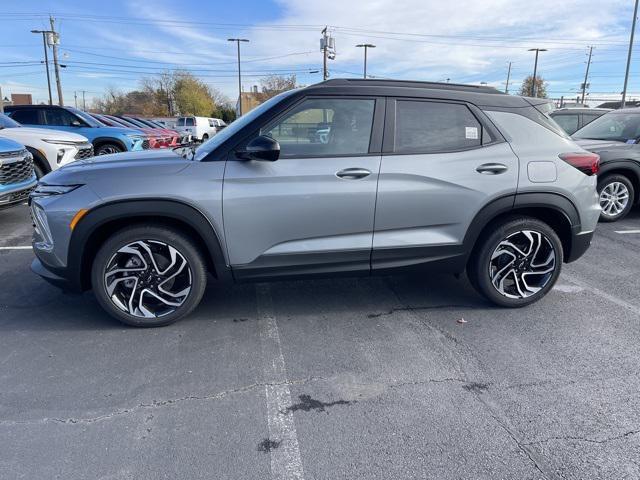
50,148
200,128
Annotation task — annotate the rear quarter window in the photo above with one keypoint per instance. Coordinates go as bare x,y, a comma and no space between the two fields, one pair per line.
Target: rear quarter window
430,127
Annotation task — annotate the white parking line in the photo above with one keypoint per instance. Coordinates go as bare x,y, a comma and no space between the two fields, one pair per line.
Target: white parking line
19,247
607,296
624,232
286,463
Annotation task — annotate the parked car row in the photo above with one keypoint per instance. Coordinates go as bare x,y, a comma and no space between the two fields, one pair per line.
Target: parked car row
615,136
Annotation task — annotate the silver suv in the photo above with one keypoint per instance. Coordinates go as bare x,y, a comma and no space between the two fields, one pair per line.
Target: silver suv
347,176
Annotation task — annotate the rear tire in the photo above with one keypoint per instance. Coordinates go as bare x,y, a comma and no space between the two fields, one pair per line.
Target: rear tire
617,197
148,276
517,262
205,137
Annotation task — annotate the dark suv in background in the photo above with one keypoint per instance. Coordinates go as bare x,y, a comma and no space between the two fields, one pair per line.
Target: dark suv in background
573,119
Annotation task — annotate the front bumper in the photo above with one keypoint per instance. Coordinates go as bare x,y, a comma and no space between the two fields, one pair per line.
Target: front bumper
51,276
18,193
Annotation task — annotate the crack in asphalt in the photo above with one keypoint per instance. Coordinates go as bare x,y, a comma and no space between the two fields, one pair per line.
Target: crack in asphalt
586,439
410,309
158,404
479,391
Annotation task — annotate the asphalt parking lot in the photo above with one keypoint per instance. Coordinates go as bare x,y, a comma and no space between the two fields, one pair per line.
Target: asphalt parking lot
374,378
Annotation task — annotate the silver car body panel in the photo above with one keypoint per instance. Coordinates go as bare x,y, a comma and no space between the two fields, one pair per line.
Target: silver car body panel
533,144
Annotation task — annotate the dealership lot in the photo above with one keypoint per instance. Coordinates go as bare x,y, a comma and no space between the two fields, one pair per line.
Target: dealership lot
349,378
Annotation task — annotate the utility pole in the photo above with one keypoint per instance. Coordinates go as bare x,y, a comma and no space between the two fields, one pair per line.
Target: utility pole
586,75
366,46
506,88
324,43
1,101
535,69
238,40
75,98
46,59
84,103
55,39
626,75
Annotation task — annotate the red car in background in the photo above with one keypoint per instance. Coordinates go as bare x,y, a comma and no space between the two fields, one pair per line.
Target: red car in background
177,138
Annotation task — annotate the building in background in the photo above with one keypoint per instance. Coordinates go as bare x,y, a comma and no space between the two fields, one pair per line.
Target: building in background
250,100
21,99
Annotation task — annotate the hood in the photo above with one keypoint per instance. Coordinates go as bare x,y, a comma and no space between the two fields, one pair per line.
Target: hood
28,133
139,166
589,144
7,146
121,131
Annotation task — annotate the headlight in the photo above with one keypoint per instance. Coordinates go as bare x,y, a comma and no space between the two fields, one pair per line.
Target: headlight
43,190
60,142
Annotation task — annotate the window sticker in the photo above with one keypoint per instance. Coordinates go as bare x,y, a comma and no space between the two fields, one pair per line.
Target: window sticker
471,133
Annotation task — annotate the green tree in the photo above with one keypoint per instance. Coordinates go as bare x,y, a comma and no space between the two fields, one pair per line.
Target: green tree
192,96
541,87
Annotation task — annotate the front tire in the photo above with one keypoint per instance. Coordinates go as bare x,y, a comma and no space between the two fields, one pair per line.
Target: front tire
517,262
108,149
617,196
148,276
205,137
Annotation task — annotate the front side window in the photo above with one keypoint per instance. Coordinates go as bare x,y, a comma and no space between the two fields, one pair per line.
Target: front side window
429,127
324,126
190,122
59,117
569,123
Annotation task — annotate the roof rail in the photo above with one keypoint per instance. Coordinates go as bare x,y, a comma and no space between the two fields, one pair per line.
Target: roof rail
409,83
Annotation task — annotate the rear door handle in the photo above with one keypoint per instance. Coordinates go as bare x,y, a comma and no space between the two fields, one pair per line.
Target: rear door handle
353,173
492,168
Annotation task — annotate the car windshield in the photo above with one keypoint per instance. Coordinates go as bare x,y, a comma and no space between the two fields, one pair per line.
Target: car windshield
6,122
614,126
92,122
235,126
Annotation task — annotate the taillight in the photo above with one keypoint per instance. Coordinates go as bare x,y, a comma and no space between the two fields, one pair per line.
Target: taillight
588,163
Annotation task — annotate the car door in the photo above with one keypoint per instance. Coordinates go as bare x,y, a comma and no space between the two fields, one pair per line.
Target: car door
442,162
312,210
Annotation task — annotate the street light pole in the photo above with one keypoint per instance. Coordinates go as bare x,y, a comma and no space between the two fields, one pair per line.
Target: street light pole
535,69
365,46
46,59
626,75
238,40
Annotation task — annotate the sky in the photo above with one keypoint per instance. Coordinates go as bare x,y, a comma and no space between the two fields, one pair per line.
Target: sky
114,43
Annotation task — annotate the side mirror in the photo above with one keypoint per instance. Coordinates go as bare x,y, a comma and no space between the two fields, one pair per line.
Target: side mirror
260,148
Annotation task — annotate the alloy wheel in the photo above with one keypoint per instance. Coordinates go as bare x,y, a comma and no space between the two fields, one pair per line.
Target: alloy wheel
614,198
522,264
148,279
108,150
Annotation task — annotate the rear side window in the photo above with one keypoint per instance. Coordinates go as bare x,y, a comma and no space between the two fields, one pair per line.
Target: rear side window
27,116
212,122
190,122
180,122
569,123
429,127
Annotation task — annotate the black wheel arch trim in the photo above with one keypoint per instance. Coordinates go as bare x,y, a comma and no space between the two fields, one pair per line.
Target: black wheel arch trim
39,159
98,141
520,201
76,271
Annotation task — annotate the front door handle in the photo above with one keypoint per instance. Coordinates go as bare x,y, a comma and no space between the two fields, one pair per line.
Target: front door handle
353,173
492,168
